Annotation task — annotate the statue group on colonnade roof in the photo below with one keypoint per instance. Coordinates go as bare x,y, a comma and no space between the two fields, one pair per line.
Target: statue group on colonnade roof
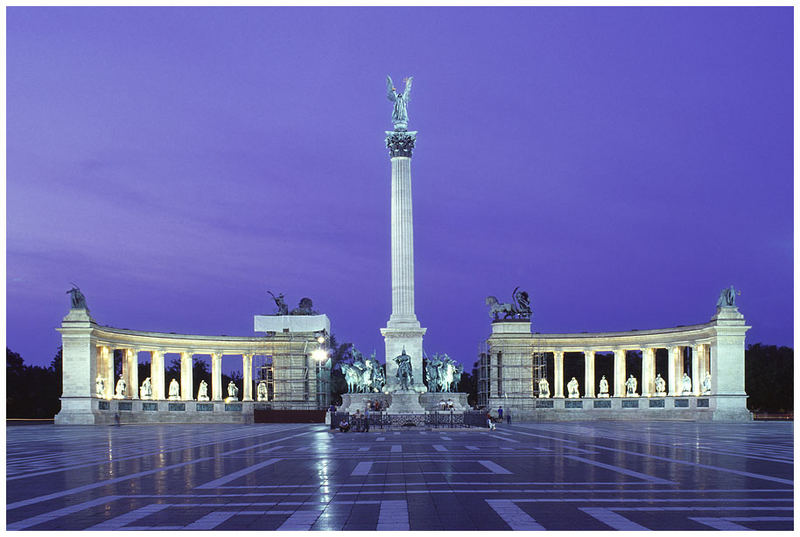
305,307
519,309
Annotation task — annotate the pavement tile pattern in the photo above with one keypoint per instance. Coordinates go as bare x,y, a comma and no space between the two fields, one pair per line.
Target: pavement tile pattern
526,476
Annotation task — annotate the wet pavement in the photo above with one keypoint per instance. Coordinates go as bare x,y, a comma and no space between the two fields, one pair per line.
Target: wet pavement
555,476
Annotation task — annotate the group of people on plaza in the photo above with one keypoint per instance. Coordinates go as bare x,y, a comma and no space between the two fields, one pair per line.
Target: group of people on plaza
490,420
358,422
631,385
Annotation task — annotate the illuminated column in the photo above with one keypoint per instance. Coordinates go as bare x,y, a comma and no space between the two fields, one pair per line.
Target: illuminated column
186,375
108,356
558,374
157,374
247,377
133,373
696,375
403,331
216,376
588,373
619,373
674,374
648,372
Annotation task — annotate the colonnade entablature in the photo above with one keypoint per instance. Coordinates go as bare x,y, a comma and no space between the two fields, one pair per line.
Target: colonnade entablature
514,363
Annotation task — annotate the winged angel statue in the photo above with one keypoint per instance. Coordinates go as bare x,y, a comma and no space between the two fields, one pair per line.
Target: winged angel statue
400,100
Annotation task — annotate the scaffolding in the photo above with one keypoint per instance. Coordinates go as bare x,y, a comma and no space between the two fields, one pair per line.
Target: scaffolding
295,381
511,375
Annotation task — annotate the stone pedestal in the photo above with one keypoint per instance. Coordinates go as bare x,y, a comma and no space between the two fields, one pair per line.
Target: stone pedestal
431,401
358,401
405,403
397,340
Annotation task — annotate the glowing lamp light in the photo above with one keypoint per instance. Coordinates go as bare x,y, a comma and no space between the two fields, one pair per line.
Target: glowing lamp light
319,355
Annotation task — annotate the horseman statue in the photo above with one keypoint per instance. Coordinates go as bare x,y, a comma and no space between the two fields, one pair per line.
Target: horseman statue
363,375
443,373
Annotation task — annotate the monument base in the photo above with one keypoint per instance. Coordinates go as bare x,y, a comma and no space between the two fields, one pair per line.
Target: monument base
432,401
358,401
405,403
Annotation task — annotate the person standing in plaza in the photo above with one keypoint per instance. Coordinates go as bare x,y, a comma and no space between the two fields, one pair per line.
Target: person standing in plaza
366,419
500,413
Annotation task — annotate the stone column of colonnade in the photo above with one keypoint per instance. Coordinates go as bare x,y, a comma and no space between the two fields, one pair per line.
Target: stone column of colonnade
675,370
132,378
157,374
558,374
247,377
696,375
619,373
588,373
648,372
216,376
187,379
107,354
704,366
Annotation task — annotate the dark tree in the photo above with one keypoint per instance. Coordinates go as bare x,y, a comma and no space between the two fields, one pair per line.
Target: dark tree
32,391
768,378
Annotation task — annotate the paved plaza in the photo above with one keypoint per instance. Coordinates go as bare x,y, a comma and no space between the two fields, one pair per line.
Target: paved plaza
555,476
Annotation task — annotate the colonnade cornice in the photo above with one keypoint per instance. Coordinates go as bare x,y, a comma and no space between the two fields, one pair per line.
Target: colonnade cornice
680,336
195,344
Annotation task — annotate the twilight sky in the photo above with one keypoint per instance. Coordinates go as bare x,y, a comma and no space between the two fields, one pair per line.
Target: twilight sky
622,165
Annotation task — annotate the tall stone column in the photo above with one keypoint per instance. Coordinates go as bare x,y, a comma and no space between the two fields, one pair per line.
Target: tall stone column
157,374
247,377
648,372
558,374
588,373
216,376
674,371
403,331
619,373
133,373
696,375
187,376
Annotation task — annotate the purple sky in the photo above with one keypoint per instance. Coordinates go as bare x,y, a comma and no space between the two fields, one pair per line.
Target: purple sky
622,165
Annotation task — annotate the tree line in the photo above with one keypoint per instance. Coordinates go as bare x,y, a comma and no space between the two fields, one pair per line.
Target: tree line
33,391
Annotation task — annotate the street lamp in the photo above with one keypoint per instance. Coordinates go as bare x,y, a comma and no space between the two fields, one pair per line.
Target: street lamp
320,355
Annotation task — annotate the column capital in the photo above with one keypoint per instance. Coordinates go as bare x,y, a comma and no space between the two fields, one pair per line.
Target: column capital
189,353
401,143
